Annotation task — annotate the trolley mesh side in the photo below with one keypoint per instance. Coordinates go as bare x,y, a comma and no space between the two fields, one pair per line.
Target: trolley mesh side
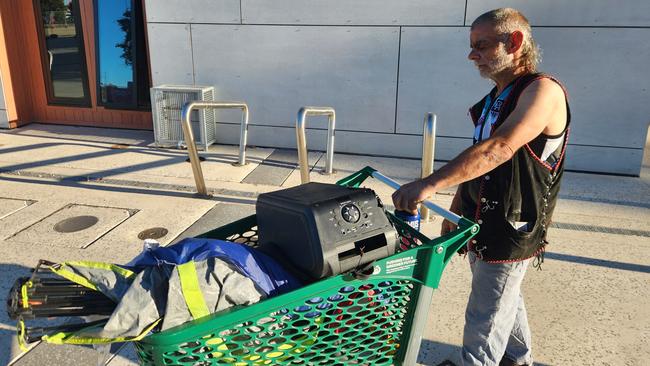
351,325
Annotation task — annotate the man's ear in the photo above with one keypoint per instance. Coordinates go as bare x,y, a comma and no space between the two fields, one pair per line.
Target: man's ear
516,40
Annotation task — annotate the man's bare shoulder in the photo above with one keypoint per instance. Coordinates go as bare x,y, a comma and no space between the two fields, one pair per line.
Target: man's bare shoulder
544,88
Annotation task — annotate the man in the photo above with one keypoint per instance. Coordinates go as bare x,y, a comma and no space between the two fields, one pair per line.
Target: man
509,182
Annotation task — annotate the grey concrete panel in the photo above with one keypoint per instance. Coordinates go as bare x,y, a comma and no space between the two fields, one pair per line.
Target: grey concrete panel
193,11
170,53
436,76
595,13
602,100
2,95
358,12
580,158
599,159
277,70
383,144
4,119
607,75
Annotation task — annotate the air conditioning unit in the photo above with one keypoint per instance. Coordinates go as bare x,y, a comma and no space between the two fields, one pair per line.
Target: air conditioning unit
166,104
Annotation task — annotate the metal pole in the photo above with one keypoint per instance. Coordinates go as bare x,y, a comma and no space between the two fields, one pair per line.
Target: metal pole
425,293
189,136
302,140
243,136
417,325
191,147
428,153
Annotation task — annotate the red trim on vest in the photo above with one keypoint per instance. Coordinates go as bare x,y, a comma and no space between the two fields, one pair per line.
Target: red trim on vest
566,135
559,160
541,249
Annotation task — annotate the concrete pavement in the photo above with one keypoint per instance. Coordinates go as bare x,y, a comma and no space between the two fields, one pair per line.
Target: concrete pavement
588,306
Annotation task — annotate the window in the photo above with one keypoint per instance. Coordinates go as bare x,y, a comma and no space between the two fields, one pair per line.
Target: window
122,71
62,52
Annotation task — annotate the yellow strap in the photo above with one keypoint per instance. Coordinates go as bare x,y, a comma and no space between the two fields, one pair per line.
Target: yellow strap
64,272
22,343
69,275
191,290
71,338
23,292
102,265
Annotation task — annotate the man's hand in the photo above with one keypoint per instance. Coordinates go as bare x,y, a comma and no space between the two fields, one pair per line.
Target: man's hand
409,196
447,227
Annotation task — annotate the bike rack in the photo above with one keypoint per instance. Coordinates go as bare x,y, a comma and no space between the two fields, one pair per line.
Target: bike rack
191,145
428,153
302,140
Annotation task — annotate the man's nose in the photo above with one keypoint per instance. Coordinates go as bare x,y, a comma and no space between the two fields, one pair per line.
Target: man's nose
473,55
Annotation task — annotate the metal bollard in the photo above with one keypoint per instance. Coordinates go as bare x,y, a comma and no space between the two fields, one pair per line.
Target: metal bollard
191,145
428,153
302,140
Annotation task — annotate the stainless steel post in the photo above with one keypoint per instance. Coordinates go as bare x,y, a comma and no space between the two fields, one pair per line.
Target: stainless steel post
302,140
189,136
191,147
428,154
424,297
417,324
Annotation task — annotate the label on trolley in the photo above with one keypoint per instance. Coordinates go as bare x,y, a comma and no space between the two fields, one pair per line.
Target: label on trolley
400,264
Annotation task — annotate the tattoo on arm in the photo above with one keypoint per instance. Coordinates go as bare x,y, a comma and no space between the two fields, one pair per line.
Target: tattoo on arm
499,156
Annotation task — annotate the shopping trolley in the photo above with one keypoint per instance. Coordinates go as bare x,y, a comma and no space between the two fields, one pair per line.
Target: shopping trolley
373,315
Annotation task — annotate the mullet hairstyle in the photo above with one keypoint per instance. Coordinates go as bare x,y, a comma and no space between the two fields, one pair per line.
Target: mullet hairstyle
505,22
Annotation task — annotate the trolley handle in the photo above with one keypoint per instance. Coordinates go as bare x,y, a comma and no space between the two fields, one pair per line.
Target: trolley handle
430,205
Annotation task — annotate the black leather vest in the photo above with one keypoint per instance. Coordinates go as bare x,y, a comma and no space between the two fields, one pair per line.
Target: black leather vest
523,189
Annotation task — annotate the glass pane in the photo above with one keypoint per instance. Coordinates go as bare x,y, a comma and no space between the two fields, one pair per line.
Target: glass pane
115,52
64,45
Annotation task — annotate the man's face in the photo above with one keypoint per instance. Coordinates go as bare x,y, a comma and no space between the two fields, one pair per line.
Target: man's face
488,52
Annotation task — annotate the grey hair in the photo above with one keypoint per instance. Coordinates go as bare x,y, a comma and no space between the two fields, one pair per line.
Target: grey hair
508,20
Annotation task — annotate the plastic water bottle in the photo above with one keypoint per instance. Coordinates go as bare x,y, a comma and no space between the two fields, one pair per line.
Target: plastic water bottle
409,219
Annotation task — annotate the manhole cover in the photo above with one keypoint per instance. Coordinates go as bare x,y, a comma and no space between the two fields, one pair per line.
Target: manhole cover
75,223
153,233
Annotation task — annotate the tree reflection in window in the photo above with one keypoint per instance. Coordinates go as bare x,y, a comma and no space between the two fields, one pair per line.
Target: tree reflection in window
123,78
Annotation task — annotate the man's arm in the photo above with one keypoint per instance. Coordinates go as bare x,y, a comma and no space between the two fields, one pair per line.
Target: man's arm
534,113
448,226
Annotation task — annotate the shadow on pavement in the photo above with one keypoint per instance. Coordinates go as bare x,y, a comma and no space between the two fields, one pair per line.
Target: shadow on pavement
146,188
85,134
432,352
598,262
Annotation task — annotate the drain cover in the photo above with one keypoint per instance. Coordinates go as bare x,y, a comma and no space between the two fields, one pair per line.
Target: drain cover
153,233
75,223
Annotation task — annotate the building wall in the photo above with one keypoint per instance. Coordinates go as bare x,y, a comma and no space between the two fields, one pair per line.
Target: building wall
382,64
25,98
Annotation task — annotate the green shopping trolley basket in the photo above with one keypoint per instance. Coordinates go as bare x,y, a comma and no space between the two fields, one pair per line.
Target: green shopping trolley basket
374,318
